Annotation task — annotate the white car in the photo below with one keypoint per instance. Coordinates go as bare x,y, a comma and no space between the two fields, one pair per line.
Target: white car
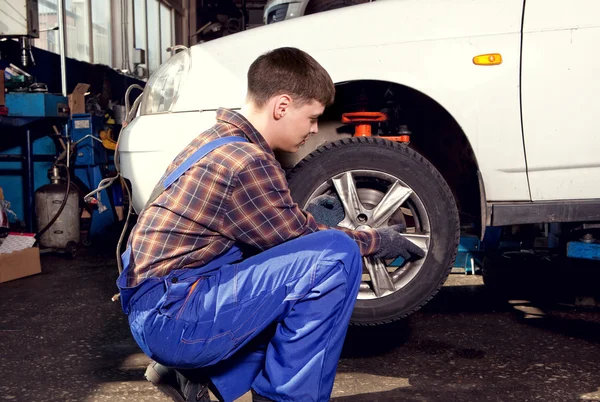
499,99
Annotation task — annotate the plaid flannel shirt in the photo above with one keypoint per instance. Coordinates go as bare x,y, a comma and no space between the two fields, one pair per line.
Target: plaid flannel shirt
237,194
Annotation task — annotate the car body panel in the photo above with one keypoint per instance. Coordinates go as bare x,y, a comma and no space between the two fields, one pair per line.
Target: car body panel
414,44
149,144
561,65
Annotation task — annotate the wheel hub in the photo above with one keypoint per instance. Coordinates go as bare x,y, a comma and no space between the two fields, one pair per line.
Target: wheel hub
373,199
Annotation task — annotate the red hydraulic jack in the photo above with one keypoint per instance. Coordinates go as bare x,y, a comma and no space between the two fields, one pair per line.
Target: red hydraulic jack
362,124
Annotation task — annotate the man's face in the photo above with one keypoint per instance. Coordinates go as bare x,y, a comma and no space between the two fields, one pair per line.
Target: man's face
298,124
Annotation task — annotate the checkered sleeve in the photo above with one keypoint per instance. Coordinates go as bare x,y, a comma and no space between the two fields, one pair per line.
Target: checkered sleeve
262,213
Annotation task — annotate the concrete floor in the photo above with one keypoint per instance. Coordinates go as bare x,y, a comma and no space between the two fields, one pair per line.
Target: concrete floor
62,339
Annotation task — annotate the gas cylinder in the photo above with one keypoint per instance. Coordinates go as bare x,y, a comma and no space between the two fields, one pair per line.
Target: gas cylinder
64,232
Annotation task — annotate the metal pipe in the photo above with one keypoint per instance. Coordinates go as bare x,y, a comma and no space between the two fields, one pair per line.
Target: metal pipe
24,52
90,30
61,43
125,36
68,145
88,136
30,183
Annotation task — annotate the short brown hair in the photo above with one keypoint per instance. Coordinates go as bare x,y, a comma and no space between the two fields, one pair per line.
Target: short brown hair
292,71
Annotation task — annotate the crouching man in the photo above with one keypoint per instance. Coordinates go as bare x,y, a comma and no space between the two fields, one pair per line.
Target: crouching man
228,284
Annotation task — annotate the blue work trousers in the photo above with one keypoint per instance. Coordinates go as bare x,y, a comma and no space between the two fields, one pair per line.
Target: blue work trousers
301,293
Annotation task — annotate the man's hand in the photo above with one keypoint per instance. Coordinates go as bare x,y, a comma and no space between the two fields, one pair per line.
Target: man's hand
327,210
393,244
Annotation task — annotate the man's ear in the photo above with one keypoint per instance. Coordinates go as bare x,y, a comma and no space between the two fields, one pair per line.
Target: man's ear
281,106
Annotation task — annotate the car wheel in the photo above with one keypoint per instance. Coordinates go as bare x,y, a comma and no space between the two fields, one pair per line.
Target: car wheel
385,183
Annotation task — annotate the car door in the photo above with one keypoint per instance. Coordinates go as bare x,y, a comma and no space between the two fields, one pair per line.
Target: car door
560,84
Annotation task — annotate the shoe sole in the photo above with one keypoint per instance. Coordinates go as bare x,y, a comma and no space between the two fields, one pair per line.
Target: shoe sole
154,377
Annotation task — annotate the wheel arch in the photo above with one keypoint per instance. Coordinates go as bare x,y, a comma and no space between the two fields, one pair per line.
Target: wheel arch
436,134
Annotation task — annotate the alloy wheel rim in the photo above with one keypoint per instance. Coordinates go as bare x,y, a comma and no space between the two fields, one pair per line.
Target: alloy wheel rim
373,199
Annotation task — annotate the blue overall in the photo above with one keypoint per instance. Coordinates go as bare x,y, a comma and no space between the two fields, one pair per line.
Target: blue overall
300,294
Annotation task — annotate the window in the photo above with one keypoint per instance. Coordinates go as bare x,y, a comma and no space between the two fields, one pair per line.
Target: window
154,48
166,31
139,20
101,32
48,40
93,29
154,33
77,27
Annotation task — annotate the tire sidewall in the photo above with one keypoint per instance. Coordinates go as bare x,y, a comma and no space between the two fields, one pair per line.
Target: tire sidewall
416,172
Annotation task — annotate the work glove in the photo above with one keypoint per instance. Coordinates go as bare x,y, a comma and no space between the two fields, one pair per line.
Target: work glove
393,244
326,209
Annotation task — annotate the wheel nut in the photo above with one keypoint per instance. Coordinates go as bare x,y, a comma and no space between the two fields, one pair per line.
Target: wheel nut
362,218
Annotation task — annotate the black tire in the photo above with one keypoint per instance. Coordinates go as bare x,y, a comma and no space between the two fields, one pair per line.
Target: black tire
317,6
402,162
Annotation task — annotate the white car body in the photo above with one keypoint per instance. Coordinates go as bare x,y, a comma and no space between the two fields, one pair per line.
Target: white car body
531,121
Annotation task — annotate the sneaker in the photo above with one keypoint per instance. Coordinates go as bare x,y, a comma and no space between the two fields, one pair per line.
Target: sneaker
171,383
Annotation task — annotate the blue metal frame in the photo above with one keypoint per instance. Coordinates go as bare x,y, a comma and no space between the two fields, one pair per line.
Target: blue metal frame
88,167
581,250
30,105
30,114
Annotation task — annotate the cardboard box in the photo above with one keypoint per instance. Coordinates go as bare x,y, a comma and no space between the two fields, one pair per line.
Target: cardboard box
18,257
77,99
19,264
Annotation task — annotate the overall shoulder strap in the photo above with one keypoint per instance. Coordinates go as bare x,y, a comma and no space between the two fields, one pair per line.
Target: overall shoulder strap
188,163
196,156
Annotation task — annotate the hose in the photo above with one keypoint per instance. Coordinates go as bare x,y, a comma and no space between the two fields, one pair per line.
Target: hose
122,236
129,117
130,111
127,93
39,234
129,114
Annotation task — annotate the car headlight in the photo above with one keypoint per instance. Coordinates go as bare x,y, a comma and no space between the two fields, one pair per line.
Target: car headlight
163,87
277,13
